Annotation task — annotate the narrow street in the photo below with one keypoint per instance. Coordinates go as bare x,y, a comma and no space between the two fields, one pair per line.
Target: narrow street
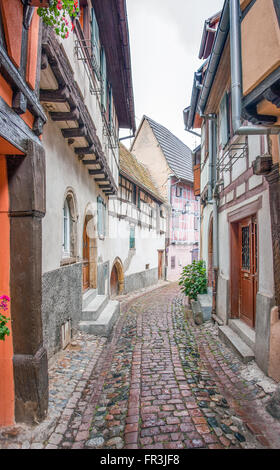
160,382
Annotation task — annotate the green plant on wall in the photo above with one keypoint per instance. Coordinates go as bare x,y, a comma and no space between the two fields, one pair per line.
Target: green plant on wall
56,15
4,330
193,280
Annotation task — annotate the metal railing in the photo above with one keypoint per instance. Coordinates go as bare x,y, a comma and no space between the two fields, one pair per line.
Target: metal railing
234,152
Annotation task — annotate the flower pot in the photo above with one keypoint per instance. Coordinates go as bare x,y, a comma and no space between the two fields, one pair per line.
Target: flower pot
39,3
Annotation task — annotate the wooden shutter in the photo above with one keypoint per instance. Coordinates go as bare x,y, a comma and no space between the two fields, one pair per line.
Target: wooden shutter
103,79
95,42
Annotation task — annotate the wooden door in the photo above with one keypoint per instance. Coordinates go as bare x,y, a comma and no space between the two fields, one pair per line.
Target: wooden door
160,264
114,282
248,270
85,259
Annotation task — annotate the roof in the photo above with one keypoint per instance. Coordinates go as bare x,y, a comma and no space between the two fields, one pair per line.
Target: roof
208,36
132,168
177,154
114,34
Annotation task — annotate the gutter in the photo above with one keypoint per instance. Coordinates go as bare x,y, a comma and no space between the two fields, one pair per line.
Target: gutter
236,77
230,21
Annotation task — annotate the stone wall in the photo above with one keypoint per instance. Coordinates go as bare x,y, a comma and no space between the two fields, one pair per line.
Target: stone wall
61,300
140,280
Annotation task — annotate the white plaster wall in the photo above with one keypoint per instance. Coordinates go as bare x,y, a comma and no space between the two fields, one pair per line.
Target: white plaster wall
207,211
147,244
64,170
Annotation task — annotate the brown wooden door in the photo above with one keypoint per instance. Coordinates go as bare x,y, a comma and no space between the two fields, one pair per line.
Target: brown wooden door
114,282
248,270
160,264
85,259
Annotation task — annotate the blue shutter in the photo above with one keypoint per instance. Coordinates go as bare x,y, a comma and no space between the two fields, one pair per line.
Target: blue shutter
95,42
103,79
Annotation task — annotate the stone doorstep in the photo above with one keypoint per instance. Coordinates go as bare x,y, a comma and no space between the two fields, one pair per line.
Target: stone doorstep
236,343
103,325
95,308
88,297
246,333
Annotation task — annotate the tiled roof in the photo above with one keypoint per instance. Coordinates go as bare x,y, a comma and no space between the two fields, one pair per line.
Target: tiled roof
137,171
177,154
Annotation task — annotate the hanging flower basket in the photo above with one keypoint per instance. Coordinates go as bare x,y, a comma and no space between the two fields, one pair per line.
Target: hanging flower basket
59,15
4,330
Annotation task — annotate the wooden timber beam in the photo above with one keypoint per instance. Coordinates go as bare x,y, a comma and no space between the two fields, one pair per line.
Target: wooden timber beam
97,172
12,74
65,116
54,96
86,151
74,132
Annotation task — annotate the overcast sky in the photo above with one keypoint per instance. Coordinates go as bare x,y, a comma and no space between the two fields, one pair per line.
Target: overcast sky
165,37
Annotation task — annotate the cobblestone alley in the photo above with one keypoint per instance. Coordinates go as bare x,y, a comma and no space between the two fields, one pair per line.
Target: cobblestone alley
160,382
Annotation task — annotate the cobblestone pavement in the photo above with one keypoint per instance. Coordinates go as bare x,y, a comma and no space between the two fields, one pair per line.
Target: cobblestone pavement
159,382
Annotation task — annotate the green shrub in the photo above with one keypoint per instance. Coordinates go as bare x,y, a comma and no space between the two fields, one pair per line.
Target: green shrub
194,280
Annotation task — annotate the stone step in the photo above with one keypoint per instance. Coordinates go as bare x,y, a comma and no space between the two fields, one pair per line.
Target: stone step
88,297
103,325
205,301
246,333
94,308
235,342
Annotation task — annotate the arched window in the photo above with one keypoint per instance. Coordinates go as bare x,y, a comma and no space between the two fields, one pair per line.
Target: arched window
69,223
66,230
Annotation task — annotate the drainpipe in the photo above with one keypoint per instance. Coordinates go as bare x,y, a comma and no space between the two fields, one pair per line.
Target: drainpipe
236,77
213,199
168,228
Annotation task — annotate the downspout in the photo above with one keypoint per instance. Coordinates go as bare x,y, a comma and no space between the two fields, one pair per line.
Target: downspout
236,77
168,228
213,199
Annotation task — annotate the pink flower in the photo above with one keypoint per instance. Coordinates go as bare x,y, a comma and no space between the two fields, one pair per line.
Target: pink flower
5,297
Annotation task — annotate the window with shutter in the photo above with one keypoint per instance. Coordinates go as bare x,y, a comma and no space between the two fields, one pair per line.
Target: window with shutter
224,123
103,79
173,262
111,123
132,238
95,43
101,217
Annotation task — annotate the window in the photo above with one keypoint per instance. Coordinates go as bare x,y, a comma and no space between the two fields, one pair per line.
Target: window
178,191
101,217
196,222
95,43
69,222
224,120
66,230
103,80
173,262
132,238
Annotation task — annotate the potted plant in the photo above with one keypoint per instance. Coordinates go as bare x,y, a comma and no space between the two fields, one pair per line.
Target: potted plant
4,330
193,280
59,15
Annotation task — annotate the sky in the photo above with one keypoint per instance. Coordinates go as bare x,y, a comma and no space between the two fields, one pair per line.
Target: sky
165,37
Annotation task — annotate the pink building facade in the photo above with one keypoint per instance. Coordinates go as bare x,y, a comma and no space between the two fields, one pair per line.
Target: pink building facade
183,228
